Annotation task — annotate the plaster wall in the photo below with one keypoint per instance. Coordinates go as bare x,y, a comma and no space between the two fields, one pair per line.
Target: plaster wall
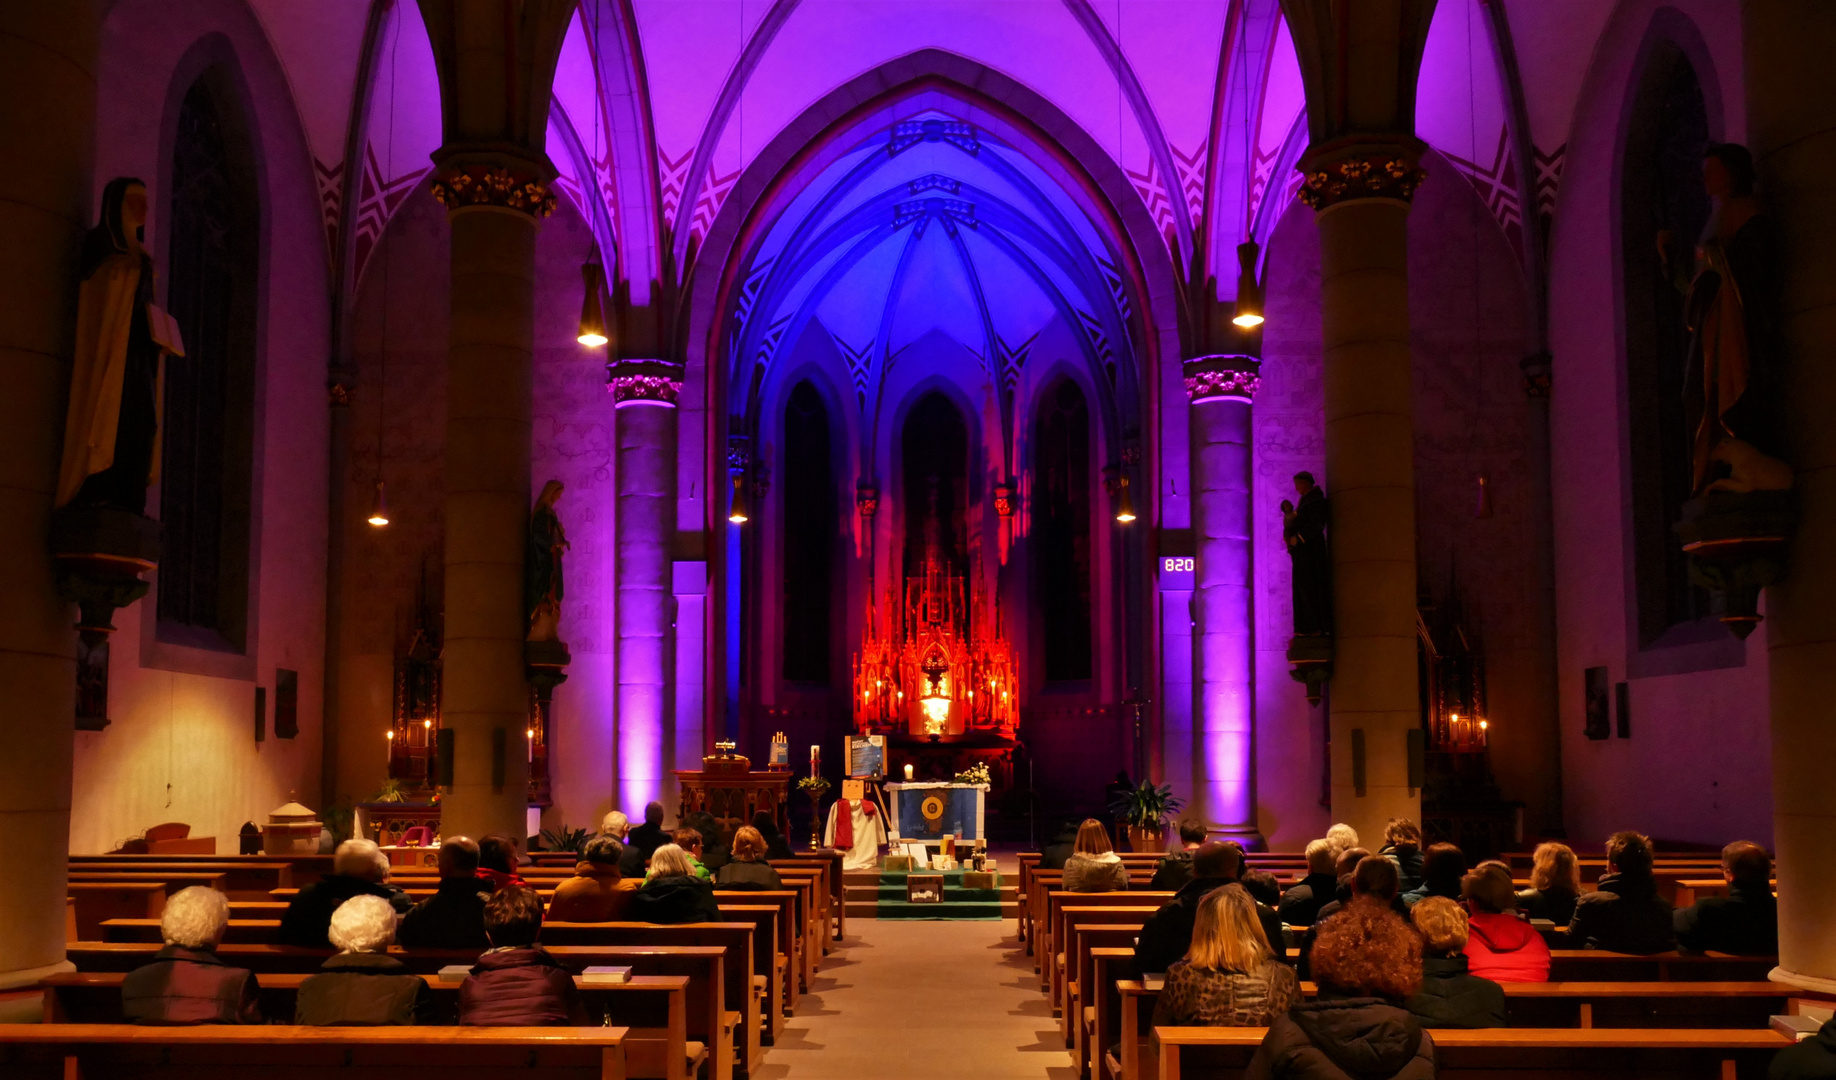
1696,767
181,746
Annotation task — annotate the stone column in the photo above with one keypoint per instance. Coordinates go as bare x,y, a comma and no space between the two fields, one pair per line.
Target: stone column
485,693
1224,736
644,395
1363,213
1790,85
48,131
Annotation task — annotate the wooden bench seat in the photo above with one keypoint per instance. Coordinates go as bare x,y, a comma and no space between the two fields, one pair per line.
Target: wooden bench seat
126,1051
97,901
1500,1053
172,882
247,880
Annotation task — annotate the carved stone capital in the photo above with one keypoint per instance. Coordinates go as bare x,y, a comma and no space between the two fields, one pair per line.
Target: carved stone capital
644,382
1352,170
460,184
1222,378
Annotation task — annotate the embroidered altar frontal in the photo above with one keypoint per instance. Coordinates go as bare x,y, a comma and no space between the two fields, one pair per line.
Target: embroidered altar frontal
925,813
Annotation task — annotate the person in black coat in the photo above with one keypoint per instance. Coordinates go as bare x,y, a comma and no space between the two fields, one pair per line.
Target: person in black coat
1167,934
1626,914
1373,877
186,982
1060,848
1812,1059
673,894
363,985
453,917
776,846
649,836
1744,922
1175,870
1367,961
1442,867
748,870
1301,904
1451,996
359,870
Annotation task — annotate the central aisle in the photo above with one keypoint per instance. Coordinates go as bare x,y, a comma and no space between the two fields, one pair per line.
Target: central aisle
907,1000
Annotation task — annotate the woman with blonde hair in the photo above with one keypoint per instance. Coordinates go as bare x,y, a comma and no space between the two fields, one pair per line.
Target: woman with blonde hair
672,893
748,869
1555,884
1094,866
1230,977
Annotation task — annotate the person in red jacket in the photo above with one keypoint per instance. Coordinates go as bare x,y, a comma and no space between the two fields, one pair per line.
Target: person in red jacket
517,983
1499,945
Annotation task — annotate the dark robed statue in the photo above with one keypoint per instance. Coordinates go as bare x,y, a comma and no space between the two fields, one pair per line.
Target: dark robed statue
547,546
111,431
1303,529
1730,390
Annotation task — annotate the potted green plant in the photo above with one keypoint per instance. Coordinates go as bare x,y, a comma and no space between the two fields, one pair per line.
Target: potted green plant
1144,810
565,839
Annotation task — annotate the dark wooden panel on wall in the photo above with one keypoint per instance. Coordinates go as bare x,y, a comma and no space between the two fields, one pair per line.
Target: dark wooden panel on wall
1599,723
286,703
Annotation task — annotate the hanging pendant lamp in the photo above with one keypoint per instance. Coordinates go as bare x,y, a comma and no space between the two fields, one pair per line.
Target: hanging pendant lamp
738,515
1125,503
592,312
1249,290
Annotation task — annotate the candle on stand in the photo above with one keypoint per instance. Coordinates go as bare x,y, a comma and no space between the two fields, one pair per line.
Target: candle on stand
908,773
389,749
529,734
815,760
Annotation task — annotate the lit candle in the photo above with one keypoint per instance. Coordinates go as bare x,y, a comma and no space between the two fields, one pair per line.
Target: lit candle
529,734
389,749
908,773
815,760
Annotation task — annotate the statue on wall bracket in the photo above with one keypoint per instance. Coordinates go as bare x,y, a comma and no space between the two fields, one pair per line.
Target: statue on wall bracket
101,539
1303,529
1738,524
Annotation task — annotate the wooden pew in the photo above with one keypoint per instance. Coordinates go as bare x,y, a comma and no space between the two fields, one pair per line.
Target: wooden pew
1071,917
834,875
1085,989
173,881
1574,1054
306,868
65,1051
241,880
99,900
1050,933
770,943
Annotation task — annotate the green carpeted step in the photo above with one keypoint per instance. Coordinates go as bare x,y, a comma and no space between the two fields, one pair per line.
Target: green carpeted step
955,911
887,893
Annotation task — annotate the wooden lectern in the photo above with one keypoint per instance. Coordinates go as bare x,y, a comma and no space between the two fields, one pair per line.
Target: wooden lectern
726,788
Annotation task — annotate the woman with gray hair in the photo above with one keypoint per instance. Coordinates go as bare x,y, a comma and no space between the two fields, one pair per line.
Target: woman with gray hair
363,985
673,893
186,983
359,868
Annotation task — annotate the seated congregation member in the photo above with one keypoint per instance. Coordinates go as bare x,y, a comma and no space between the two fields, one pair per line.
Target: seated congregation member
453,917
1342,837
776,846
1555,884
1303,900
1442,867
1373,880
1402,845
616,826
1229,977
1167,934
643,840
689,840
1262,887
1744,922
1058,850
1451,995
672,893
1501,946
748,870
1094,866
497,862
516,983
1176,869
1367,962
363,985
715,851
596,892
185,982
359,868
1626,914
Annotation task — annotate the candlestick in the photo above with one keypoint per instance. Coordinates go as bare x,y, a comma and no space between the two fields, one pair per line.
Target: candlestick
815,760
389,749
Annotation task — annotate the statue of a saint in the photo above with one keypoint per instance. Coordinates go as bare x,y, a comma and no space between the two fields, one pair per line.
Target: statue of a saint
542,566
111,432
1730,391
1303,529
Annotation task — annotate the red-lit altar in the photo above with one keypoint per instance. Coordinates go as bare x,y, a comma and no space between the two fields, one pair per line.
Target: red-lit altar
936,675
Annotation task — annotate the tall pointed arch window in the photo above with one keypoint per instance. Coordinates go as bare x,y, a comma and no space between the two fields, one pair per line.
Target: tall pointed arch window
1060,530
811,526
1662,193
208,423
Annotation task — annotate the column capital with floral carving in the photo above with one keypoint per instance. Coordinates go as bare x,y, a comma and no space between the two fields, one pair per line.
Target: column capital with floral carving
644,382
1222,377
1361,167
466,178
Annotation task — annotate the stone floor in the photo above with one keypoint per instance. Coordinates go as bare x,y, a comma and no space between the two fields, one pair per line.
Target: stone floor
922,1001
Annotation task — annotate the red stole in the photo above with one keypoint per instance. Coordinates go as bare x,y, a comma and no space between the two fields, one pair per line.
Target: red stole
844,821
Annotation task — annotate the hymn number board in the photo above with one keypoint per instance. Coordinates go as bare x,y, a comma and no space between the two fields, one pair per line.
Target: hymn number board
1177,572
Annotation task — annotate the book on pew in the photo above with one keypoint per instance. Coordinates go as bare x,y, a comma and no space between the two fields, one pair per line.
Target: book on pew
1796,1028
599,974
455,972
